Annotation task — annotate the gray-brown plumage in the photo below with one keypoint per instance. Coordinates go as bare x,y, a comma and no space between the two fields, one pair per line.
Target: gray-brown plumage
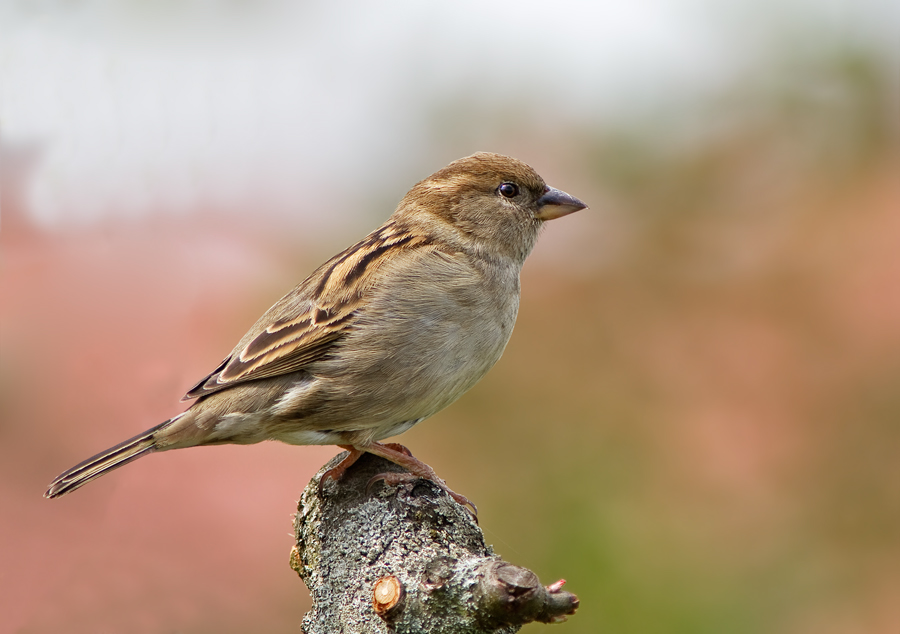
381,336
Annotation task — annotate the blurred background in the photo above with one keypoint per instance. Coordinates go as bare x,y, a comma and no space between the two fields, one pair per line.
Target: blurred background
697,420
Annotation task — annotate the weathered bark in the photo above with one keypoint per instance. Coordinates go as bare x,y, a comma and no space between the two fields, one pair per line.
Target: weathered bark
407,558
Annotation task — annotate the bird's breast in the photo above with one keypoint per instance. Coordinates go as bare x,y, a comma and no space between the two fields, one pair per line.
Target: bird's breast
416,347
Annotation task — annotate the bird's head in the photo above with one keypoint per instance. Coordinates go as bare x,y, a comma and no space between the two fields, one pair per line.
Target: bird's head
488,201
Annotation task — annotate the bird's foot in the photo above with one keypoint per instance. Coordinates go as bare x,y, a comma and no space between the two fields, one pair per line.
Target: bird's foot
417,470
392,478
337,471
400,455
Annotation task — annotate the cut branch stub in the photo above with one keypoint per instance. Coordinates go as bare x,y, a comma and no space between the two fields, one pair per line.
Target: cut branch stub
388,597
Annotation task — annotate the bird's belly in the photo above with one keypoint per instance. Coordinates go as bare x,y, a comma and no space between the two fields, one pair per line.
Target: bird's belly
311,437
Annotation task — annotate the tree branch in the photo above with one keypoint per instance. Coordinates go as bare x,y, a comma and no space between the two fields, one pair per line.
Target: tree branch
407,558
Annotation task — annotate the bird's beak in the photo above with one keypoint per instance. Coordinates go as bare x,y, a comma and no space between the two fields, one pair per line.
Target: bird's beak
555,203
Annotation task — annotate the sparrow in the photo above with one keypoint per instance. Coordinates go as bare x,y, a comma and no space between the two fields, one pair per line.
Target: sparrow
380,337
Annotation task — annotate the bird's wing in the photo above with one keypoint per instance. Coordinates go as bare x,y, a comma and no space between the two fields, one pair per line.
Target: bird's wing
305,324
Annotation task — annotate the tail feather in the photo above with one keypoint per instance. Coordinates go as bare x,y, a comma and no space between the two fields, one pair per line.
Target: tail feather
104,462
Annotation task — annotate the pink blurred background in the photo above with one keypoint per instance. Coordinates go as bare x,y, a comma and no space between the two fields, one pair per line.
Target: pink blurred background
696,422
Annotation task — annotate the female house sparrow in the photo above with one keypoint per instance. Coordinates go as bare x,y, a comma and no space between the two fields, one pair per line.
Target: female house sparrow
381,336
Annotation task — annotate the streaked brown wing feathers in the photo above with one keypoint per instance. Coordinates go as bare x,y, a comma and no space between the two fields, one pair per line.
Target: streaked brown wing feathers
273,364
281,348
333,294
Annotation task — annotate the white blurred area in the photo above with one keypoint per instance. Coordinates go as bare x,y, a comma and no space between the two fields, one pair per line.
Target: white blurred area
137,107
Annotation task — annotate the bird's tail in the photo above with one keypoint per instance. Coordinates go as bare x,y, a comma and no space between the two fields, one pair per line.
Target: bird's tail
104,462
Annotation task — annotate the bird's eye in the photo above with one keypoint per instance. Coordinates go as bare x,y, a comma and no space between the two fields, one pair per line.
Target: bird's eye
508,190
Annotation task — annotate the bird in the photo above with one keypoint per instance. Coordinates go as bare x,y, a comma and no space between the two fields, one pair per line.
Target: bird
380,337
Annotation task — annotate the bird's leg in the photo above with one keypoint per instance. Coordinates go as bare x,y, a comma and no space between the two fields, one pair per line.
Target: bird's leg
337,471
416,468
396,446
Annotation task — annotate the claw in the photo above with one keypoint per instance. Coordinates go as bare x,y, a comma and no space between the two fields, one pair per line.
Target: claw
466,503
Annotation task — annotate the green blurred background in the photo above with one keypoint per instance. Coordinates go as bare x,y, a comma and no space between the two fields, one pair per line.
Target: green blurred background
697,420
